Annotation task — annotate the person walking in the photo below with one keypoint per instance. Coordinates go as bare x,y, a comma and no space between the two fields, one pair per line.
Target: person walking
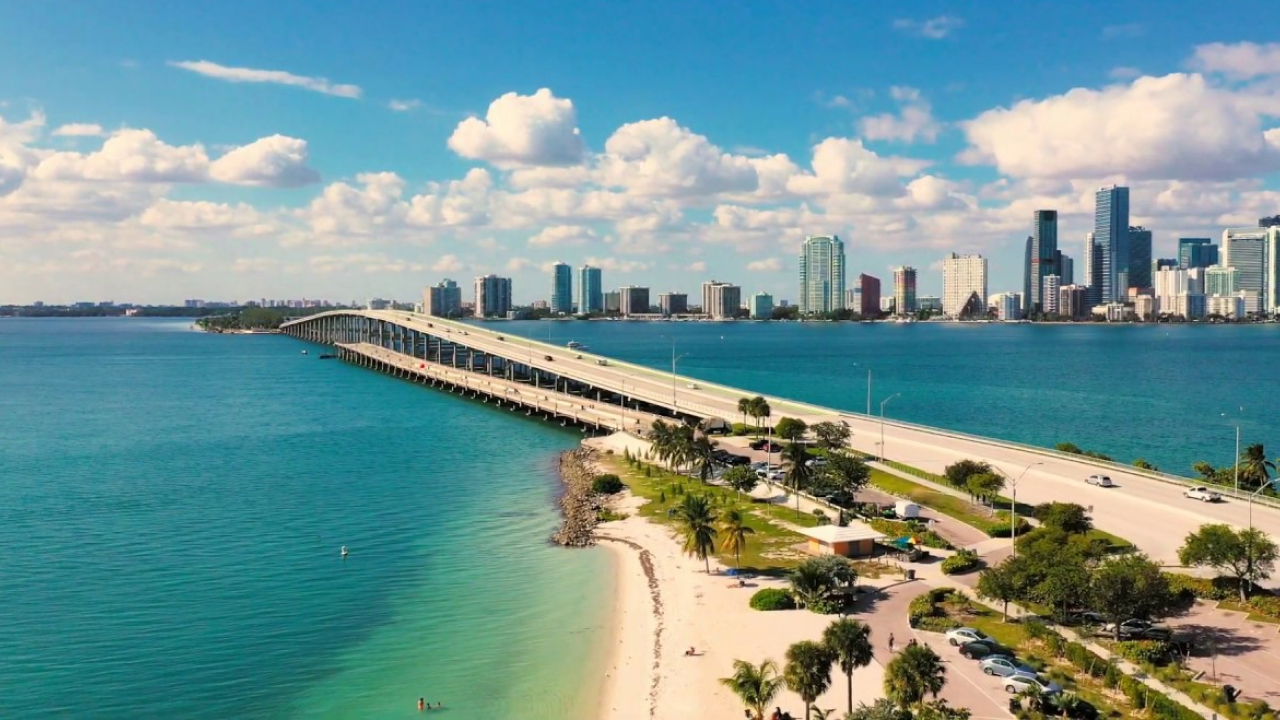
890,643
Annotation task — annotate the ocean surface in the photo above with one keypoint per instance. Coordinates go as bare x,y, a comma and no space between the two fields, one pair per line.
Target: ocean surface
1169,394
172,503
172,508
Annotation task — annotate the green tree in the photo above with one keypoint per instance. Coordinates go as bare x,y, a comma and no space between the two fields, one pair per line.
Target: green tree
741,478
1070,518
914,673
831,435
744,407
882,709
1247,555
958,473
985,486
940,710
695,517
700,449
1130,586
759,409
848,473
734,529
811,584
791,428
1002,583
755,685
800,472
808,671
850,642
1255,468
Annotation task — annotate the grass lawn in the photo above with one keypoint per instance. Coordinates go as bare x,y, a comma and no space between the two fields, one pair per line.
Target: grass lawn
949,505
1117,543
1253,617
771,550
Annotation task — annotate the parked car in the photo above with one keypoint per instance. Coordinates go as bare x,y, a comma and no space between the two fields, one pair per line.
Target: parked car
770,474
1099,480
757,444
1138,629
978,650
1019,683
840,499
962,635
1003,666
1202,493
817,462
1085,617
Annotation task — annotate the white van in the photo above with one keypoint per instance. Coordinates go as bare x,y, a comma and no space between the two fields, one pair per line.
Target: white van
1099,480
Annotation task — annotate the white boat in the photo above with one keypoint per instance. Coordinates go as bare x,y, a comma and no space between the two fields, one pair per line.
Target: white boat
575,345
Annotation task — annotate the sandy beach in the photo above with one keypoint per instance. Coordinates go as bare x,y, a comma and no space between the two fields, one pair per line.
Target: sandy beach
665,603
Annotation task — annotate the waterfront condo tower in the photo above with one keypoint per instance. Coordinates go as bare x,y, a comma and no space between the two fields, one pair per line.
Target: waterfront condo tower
443,300
870,296
1196,253
590,290
964,277
821,275
1111,243
1042,258
1137,265
561,289
493,296
1246,250
904,290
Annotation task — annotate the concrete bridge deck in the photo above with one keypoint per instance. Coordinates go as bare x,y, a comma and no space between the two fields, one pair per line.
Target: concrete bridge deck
1146,508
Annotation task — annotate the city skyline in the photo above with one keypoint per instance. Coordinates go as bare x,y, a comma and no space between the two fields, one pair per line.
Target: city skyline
184,157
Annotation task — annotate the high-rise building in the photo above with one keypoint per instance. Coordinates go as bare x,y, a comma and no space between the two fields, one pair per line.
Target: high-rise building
1089,263
1169,283
1073,302
964,277
590,290
1042,256
1049,295
1273,221
673,303
1066,269
1008,306
493,296
1221,280
904,290
1138,266
1163,264
633,300
1245,249
1271,294
442,300
870,287
561,289
612,301
1196,253
721,300
821,275
1111,238
761,306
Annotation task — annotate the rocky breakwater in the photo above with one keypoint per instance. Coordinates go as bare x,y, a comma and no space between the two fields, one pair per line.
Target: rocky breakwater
579,504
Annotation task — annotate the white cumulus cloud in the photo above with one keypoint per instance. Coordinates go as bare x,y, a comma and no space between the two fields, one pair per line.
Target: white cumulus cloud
79,130
275,161
275,77
1238,60
844,165
659,157
914,119
562,235
1173,127
447,264
129,155
537,129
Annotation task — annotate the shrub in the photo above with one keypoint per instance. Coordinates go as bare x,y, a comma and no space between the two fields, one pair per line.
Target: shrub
936,624
962,562
1268,605
742,429
1189,588
772,599
1001,526
1145,652
897,528
607,484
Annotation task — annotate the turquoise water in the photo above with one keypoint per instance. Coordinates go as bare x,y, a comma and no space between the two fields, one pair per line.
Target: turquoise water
1130,391
172,506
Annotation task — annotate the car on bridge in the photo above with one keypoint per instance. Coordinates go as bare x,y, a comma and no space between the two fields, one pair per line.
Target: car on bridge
1201,493
1100,481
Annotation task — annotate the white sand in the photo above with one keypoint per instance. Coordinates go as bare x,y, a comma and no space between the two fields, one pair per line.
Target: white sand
648,674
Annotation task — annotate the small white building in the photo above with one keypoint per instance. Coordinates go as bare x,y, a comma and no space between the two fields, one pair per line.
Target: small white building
855,540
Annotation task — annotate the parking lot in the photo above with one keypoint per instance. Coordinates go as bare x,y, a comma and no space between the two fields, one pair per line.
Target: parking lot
1233,649
967,685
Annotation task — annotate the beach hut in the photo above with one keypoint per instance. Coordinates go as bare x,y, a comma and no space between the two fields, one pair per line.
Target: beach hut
856,540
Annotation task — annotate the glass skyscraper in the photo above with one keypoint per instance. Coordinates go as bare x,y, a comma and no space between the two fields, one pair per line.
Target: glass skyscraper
1111,238
1138,266
1196,253
1042,257
561,288
821,275
590,290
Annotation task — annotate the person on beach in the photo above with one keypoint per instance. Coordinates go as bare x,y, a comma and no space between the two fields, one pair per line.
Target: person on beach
422,704
890,642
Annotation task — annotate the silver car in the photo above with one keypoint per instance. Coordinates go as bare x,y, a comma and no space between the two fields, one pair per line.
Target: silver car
1019,683
1003,666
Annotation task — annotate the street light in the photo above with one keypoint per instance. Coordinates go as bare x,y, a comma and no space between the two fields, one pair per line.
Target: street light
1252,495
1013,503
882,404
674,358
1237,473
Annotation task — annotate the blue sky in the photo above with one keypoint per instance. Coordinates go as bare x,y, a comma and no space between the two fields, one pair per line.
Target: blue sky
151,152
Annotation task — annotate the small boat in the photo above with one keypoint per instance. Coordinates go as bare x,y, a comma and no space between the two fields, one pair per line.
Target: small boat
304,352
344,551
328,356
575,345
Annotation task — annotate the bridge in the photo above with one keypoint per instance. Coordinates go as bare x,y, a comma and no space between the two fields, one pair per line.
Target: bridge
598,393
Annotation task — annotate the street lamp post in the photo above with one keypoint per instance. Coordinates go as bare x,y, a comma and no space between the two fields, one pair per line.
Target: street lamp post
674,358
1237,463
882,404
1253,495
1013,501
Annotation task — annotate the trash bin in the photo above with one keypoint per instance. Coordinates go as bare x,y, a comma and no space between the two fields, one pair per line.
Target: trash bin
911,573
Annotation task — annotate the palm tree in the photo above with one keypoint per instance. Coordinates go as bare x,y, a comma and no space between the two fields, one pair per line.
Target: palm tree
1255,468
755,685
681,446
699,534
662,439
808,671
850,642
917,671
732,524
759,408
744,407
811,583
700,449
800,472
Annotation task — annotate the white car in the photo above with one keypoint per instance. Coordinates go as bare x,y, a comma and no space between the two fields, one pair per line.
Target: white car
767,474
1099,480
817,462
1202,493
963,635
1018,682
